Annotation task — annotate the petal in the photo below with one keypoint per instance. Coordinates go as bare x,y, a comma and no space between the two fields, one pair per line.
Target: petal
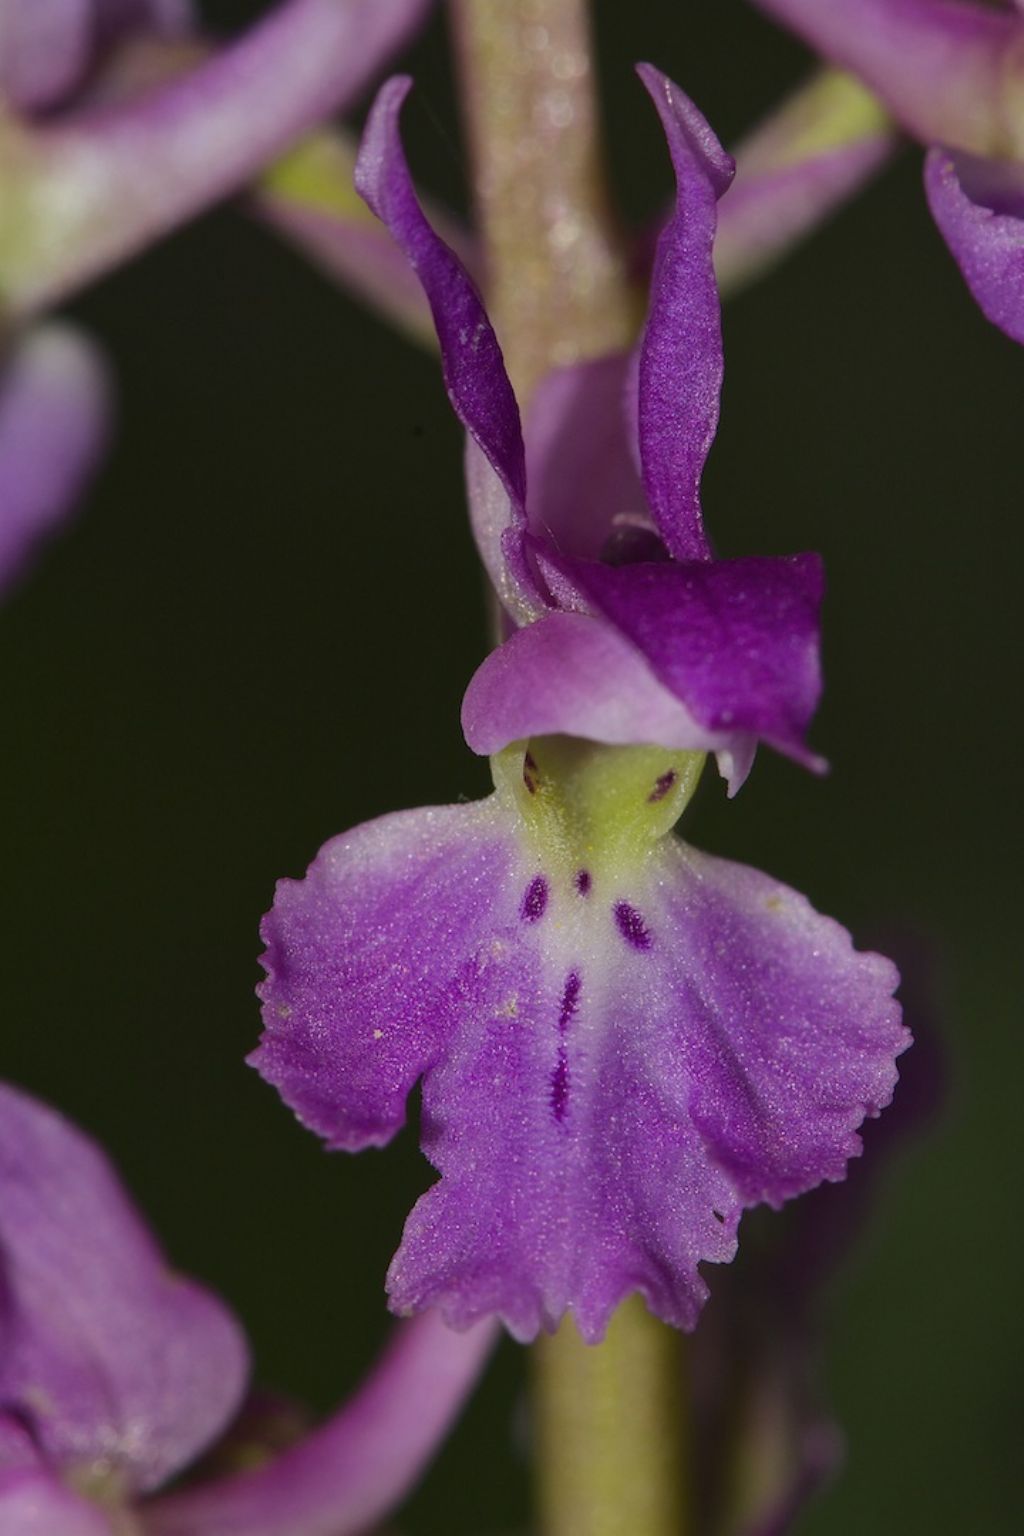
681,352
34,1503
736,641
965,69
347,1475
120,1366
413,885
723,1059
812,154
580,456
474,371
45,48
572,674
614,1066
54,424
91,193
979,208
309,196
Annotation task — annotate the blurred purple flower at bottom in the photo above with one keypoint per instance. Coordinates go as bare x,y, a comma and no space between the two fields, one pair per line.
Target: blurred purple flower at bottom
116,1374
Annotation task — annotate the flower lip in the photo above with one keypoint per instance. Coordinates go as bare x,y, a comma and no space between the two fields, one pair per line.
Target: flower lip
613,1066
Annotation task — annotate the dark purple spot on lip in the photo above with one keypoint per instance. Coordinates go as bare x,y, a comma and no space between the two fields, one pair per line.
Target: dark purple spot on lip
530,775
570,1000
560,1086
662,787
632,926
535,900
583,881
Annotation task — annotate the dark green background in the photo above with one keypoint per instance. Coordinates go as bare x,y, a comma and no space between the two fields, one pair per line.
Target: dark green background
258,633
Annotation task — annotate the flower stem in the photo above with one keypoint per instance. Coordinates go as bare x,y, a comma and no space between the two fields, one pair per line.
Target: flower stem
610,1429
610,1426
556,280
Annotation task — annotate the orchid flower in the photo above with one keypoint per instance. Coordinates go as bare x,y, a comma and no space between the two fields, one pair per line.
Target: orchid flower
89,177
950,73
116,1374
623,1042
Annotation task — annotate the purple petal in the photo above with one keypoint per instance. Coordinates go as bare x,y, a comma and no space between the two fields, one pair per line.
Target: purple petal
801,163
34,1503
945,69
54,424
580,456
979,208
332,935
119,178
614,1067
45,48
736,641
309,196
120,1366
474,371
346,1476
681,352
574,675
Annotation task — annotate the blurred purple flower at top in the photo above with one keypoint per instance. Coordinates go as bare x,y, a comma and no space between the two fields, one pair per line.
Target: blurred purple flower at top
48,48
952,73
88,179
623,1042
116,1373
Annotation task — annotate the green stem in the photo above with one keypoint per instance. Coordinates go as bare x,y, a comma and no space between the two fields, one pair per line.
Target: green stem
556,280
611,1425
610,1421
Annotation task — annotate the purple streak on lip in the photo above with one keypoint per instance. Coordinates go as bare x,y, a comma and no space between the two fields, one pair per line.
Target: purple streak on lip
570,1000
560,1086
138,170
535,900
560,1075
584,881
631,925
347,1475
662,787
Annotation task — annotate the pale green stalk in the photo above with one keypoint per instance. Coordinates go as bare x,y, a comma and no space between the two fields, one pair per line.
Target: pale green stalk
609,1424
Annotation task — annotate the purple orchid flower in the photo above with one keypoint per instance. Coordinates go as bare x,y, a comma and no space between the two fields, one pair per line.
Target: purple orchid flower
950,72
623,1042
116,1374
